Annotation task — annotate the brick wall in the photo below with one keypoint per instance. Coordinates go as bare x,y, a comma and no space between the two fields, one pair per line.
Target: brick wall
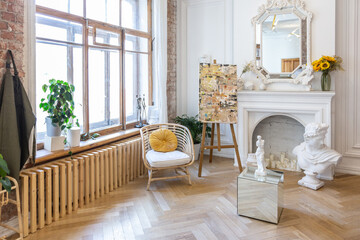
12,33
11,37
171,51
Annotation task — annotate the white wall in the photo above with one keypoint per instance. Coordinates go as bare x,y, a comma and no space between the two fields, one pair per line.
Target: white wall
223,30
347,99
205,28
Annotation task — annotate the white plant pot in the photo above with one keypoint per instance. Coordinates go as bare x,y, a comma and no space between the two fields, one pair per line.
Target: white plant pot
197,150
73,137
52,130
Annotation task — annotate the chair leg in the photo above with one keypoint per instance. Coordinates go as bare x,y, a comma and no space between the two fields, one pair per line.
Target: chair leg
149,181
188,174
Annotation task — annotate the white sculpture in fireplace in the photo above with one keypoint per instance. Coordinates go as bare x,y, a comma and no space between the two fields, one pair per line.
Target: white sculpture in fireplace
314,156
260,157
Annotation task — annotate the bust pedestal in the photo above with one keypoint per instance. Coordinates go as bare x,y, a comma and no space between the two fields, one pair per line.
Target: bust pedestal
310,181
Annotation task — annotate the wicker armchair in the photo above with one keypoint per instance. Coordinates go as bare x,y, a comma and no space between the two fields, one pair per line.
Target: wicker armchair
185,145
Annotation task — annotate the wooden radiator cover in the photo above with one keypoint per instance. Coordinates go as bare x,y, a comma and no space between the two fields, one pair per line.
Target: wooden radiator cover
53,190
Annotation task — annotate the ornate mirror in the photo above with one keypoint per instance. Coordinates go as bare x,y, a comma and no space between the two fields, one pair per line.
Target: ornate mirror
282,42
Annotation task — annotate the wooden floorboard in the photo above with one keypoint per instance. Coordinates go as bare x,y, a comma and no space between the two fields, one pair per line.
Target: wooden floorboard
207,210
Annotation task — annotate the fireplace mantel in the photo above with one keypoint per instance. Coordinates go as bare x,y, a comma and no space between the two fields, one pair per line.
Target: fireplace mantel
305,107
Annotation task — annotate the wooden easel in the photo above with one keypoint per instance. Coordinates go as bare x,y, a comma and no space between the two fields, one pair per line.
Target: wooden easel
218,147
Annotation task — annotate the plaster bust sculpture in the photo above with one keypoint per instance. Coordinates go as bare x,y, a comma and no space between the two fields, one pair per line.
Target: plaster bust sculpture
260,157
314,156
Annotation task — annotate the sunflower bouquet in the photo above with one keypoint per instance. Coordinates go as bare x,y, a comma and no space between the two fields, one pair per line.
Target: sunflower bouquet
327,64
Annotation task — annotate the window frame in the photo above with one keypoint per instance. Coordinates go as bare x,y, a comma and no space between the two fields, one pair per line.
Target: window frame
95,24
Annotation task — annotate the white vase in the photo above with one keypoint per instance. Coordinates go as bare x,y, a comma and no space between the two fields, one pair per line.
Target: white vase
73,137
197,150
52,130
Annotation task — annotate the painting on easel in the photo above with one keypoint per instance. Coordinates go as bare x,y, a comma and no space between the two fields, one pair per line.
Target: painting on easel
218,88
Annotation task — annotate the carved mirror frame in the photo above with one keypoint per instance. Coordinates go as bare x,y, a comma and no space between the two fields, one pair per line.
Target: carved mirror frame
296,7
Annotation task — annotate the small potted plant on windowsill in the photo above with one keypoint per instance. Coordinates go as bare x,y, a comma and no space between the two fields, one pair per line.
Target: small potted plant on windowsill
59,104
195,127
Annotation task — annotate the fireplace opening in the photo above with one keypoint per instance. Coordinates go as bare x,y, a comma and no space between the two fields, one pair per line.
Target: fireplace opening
281,135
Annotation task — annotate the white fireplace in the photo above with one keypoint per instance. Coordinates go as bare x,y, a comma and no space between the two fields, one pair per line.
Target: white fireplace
255,106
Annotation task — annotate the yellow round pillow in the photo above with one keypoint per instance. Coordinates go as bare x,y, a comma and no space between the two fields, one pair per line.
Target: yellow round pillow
163,140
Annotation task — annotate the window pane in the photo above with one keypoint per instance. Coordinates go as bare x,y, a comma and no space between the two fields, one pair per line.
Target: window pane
114,87
105,11
136,82
133,43
134,14
78,83
69,6
54,28
107,37
103,83
61,67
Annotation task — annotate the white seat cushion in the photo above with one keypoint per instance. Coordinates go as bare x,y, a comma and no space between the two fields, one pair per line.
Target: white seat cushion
167,159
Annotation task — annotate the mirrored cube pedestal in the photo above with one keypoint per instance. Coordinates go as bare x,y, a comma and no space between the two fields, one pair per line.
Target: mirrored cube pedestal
260,197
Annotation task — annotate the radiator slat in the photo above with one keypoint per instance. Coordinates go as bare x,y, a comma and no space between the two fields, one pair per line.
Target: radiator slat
87,179
102,172
76,184
115,167
55,178
120,164
25,202
69,183
81,182
92,177
97,175
106,174
33,212
111,167
48,194
62,170
128,162
52,190
41,198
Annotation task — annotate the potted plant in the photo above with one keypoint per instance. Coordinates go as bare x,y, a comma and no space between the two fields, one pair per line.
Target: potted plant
327,64
4,171
59,104
195,127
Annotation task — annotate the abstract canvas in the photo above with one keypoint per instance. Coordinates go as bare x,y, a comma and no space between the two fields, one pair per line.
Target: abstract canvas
217,93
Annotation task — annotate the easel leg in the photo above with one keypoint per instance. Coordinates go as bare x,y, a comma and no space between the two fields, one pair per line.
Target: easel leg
236,147
218,136
202,149
212,141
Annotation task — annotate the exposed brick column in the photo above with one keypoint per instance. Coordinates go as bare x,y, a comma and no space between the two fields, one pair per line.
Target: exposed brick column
11,37
171,63
12,33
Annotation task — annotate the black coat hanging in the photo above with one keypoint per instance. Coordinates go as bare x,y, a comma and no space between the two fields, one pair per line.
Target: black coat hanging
17,121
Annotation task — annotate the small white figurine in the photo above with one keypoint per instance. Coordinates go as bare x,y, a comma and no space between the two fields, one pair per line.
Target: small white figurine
262,87
248,85
260,154
314,156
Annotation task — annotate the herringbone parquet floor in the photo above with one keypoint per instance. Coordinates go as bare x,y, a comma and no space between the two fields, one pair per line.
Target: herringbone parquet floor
207,210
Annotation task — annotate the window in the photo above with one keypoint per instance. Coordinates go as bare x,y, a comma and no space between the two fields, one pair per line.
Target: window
104,49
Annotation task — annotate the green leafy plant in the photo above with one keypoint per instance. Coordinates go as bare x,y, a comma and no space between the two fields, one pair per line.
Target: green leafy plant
194,125
59,103
4,171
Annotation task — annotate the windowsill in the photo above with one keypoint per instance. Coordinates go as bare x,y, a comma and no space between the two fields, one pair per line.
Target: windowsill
45,156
